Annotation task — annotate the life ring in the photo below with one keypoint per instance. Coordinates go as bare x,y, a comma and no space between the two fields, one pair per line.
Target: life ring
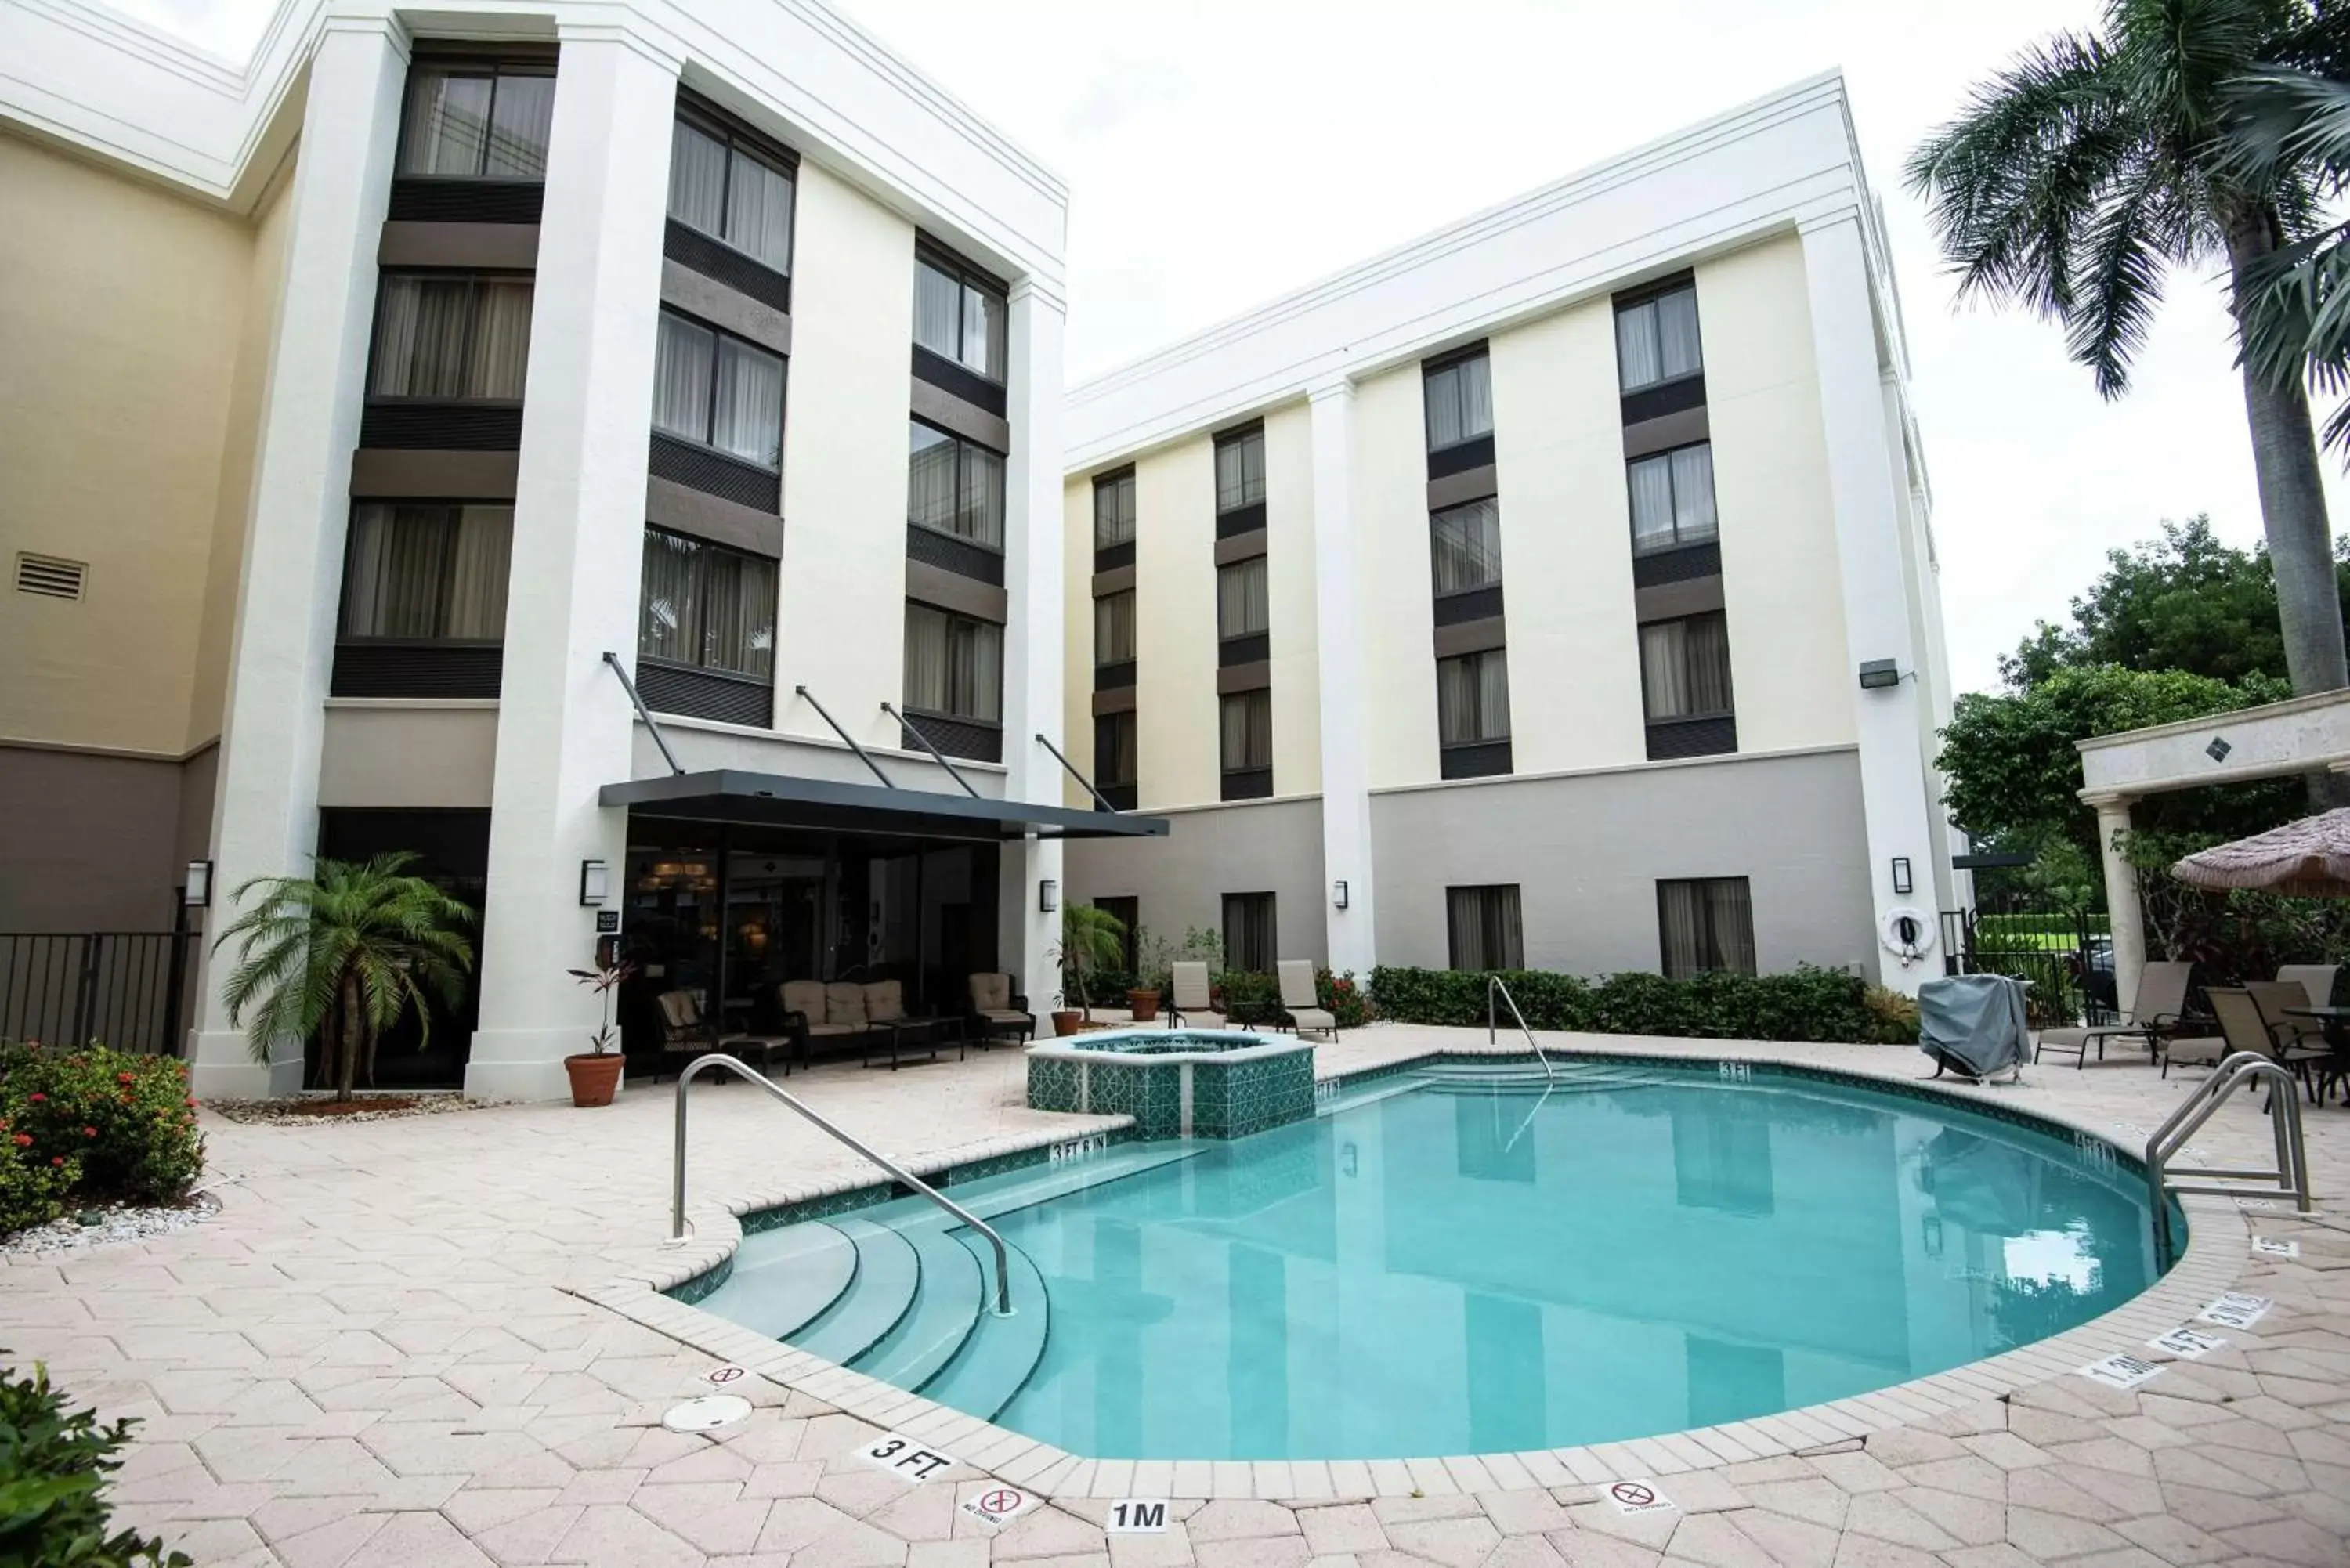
1907,933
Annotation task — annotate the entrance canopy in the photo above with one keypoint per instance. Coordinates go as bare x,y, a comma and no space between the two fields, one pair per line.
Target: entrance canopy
783,800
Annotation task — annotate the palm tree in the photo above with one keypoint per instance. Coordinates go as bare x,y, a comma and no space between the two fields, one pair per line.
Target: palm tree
344,954
1091,937
2092,165
2297,316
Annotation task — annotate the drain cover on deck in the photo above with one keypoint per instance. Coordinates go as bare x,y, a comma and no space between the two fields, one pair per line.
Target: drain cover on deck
706,1414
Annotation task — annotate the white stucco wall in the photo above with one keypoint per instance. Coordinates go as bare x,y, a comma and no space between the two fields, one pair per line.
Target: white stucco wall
1175,625
1392,579
1289,592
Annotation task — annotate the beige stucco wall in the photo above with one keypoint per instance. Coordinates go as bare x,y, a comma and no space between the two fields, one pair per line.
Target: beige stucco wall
1289,594
1392,582
1175,627
1782,582
121,314
1077,651
842,629
1566,552
409,754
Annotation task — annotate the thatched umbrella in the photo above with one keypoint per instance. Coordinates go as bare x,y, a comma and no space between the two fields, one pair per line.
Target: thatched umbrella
2304,859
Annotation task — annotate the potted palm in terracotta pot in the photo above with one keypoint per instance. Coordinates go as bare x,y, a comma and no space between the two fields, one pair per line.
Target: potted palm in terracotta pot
596,1073
1092,938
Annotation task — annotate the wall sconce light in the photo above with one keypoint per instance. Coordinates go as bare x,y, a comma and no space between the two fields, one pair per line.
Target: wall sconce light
1048,895
595,883
1339,894
1879,674
196,892
1901,881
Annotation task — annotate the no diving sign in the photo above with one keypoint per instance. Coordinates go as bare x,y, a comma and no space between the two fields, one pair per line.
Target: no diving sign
995,1503
1637,1497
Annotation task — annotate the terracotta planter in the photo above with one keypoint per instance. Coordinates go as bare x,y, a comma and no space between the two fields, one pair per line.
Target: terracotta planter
1066,1021
1144,1004
594,1078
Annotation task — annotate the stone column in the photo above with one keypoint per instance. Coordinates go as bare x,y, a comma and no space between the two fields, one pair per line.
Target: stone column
1898,792
265,808
2128,917
565,727
1345,738
1033,636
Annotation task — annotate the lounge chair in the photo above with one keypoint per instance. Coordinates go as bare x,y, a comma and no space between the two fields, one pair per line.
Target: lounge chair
2243,1026
998,1011
1301,1004
1191,1006
687,1032
2155,1014
2317,981
2301,1045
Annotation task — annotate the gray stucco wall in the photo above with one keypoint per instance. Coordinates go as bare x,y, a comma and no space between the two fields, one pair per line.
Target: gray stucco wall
89,842
1586,852
1255,846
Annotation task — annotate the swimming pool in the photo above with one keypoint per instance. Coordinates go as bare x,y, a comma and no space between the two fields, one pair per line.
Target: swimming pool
1465,1259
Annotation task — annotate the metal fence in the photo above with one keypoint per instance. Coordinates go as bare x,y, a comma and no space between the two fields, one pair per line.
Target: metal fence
2064,958
128,988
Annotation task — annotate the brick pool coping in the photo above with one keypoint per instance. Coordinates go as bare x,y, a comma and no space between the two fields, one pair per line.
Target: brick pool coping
2217,1253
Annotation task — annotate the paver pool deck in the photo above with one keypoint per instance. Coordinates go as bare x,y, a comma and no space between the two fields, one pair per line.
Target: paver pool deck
376,1357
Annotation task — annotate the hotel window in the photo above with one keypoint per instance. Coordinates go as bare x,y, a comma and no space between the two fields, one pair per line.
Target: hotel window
427,572
707,608
1240,609
953,486
954,666
1247,726
959,315
1672,499
1252,944
1685,668
1114,511
1115,756
1240,471
1460,401
1705,923
1657,340
1465,543
718,392
723,189
1483,928
1114,629
485,122
451,336
1472,698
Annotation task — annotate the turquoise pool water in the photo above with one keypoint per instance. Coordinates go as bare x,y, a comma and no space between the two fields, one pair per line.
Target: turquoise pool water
1469,1269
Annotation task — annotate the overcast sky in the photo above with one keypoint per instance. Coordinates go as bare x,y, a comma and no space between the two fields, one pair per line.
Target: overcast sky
1219,153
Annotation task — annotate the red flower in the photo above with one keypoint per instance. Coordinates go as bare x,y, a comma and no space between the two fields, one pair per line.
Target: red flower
89,1132
56,1159
37,1098
23,1141
192,1104
123,1078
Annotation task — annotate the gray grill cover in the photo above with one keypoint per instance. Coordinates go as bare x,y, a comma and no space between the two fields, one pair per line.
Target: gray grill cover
1973,1024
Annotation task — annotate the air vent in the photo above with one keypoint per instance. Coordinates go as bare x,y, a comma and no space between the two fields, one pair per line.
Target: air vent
50,577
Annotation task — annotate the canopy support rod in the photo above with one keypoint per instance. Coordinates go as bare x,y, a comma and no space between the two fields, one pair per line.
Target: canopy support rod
644,713
938,755
862,756
1098,799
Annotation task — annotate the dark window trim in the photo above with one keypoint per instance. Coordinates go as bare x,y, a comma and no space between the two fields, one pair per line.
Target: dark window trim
1714,736
766,682
963,440
1115,476
377,667
1675,564
1665,456
711,119
996,724
720,129
1477,451
1665,397
1254,510
1247,784
1480,349
1116,676
1483,603
454,58
343,635
1483,347
1475,758
960,380
1110,557
1248,648
471,274
762,683
782,423
954,616
1102,779
1240,520
970,276
1655,288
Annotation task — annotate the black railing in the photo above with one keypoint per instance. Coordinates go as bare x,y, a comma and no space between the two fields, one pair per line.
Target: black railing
129,989
2064,957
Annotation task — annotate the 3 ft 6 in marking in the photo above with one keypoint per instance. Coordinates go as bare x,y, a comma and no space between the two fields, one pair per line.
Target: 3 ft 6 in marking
1137,1516
907,1459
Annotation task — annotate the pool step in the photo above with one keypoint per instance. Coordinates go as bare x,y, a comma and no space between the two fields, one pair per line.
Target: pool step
1000,1352
876,1300
784,1279
988,1200
945,1310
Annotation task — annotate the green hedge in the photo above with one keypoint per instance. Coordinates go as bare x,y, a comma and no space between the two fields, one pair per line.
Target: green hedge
1248,998
1807,1005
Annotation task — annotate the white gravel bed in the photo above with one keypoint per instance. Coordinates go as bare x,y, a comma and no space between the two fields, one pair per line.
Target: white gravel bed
100,1224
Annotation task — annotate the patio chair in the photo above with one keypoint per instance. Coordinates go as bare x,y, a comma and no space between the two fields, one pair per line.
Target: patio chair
2317,979
1192,1006
2155,1014
2244,1026
2301,1047
998,1011
688,1033
1301,1004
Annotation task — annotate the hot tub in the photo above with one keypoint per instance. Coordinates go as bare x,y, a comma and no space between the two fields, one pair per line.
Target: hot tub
1177,1082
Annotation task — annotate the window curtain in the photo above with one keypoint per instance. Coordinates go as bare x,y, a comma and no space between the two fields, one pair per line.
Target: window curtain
1240,473
523,113
1472,698
684,359
399,559
983,334
1249,940
980,513
1693,518
477,581
500,338
1681,929
1460,404
1706,923
926,659
1114,511
1652,503
937,311
669,623
1484,928
1241,609
1685,666
1678,353
697,180
447,123
1115,760
422,326
1637,364
953,665
747,420
759,210
1247,731
1467,545
738,612
1114,629
930,478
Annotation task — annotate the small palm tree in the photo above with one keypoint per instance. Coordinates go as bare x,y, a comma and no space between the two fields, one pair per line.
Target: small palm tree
2091,166
1091,939
345,952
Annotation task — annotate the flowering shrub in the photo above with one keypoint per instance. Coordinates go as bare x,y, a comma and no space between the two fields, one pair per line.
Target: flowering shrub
32,1190
113,1123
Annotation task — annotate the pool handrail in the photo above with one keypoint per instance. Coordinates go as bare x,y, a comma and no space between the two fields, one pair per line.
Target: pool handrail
2291,1173
1493,987
898,1172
